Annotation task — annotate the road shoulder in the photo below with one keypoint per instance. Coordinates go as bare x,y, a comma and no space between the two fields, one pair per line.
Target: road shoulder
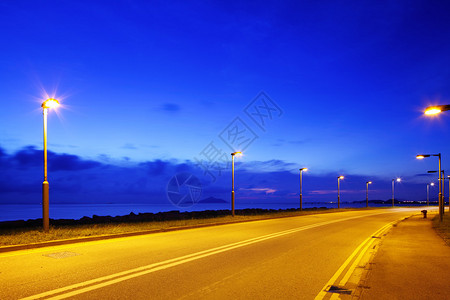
412,262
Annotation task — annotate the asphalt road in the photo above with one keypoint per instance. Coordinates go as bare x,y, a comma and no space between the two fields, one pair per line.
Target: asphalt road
273,259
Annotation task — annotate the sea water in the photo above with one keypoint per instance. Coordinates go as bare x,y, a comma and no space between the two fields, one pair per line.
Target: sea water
12,212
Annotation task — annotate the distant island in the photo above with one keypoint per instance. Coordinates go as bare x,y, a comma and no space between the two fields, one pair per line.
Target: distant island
212,200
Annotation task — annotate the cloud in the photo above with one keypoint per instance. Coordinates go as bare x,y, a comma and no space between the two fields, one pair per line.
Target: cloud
171,107
265,190
104,180
323,192
269,165
67,162
129,146
156,167
28,157
299,142
282,142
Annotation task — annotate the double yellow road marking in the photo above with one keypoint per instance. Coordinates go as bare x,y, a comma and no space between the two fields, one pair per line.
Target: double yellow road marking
358,253
104,281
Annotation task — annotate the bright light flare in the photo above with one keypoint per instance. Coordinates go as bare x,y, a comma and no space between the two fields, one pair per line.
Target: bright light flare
341,177
369,182
50,103
304,169
432,111
398,179
432,184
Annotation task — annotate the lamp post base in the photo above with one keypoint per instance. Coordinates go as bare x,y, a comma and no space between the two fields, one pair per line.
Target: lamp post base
45,205
232,203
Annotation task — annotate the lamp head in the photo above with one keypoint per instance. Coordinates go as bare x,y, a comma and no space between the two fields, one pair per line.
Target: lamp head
432,184
422,156
50,103
432,110
303,169
436,109
398,179
369,182
238,153
341,177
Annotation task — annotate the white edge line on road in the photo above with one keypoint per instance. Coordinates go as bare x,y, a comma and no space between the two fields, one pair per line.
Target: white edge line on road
100,282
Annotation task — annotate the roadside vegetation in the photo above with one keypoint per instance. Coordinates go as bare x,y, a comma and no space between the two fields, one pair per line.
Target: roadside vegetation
443,228
29,235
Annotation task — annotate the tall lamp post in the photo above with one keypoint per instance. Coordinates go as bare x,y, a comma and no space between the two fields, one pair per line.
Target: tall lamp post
232,180
393,183
367,192
428,192
422,156
49,103
301,196
442,189
430,111
339,194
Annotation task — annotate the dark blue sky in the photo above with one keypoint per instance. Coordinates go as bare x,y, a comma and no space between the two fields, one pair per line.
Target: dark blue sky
147,86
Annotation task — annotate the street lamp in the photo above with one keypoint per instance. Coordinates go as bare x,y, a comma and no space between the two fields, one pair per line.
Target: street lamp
339,195
367,192
428,192
393,183
434,110
232,180
301,196
49,103
441,208
442,189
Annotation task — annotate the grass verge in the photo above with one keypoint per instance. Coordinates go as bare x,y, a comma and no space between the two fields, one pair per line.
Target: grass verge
22,236
443,228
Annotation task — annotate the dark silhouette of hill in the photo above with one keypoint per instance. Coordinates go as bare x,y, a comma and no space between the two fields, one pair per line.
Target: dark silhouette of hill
212,200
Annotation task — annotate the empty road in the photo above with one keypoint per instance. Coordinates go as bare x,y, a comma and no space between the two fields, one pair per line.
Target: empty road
286,258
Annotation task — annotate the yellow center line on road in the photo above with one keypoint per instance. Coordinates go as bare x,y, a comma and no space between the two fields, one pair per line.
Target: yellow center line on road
366,244
100,282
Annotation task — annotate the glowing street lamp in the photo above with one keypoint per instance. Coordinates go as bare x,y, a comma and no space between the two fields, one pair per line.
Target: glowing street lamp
441,207
232,179
339,194
428,192
367,192
49,103
393,183
301,196
437,109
